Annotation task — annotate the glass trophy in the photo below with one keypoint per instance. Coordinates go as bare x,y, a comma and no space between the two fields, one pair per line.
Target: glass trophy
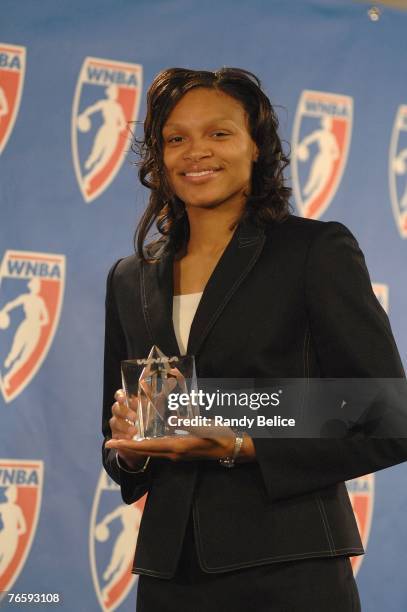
158,389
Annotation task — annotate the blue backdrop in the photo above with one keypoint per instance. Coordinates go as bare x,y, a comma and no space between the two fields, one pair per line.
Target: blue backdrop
71,76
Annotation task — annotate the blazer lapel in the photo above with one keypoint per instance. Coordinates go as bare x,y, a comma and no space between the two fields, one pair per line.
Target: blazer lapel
232,268
157,296
157,291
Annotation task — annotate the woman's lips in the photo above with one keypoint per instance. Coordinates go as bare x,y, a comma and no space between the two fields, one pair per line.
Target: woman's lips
200,177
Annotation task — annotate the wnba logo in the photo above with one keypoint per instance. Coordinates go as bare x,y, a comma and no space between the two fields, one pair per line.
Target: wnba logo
361,494
320,144
107,99
12,70
31,292
20,502
361,490
381,291
113,536
398,170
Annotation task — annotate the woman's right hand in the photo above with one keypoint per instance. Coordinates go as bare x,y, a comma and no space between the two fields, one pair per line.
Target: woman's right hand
123,425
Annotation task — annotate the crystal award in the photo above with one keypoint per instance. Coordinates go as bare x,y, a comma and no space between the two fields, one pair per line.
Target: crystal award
158,387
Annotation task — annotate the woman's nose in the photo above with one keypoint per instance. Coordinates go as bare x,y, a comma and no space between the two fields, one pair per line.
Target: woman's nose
196,151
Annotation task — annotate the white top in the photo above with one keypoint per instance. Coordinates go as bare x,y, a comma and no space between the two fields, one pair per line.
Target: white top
183,312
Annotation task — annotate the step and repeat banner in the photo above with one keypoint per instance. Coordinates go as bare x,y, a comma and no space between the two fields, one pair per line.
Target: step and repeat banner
73,79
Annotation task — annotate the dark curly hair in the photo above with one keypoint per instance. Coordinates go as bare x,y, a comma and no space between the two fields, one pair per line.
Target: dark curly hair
268,199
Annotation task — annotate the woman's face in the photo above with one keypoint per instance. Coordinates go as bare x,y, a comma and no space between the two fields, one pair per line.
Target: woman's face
208,150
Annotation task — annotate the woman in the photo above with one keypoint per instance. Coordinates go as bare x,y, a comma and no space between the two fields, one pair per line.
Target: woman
251,291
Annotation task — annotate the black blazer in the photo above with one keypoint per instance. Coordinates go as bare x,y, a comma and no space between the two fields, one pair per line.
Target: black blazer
293,300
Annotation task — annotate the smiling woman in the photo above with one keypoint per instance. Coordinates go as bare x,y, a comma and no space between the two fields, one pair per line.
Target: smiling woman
252,292
208,150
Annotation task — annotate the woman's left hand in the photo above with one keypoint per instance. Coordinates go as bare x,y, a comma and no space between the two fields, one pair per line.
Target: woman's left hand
200,443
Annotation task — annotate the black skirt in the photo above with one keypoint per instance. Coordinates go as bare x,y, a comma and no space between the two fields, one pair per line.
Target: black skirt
310,585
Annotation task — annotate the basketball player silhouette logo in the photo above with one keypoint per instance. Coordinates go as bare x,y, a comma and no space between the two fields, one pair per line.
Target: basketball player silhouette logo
320,143
21,484
31,293
105,107
398,170
114,528
12,71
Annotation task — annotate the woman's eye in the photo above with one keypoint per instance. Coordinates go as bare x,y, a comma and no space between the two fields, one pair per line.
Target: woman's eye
220,134
174,139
